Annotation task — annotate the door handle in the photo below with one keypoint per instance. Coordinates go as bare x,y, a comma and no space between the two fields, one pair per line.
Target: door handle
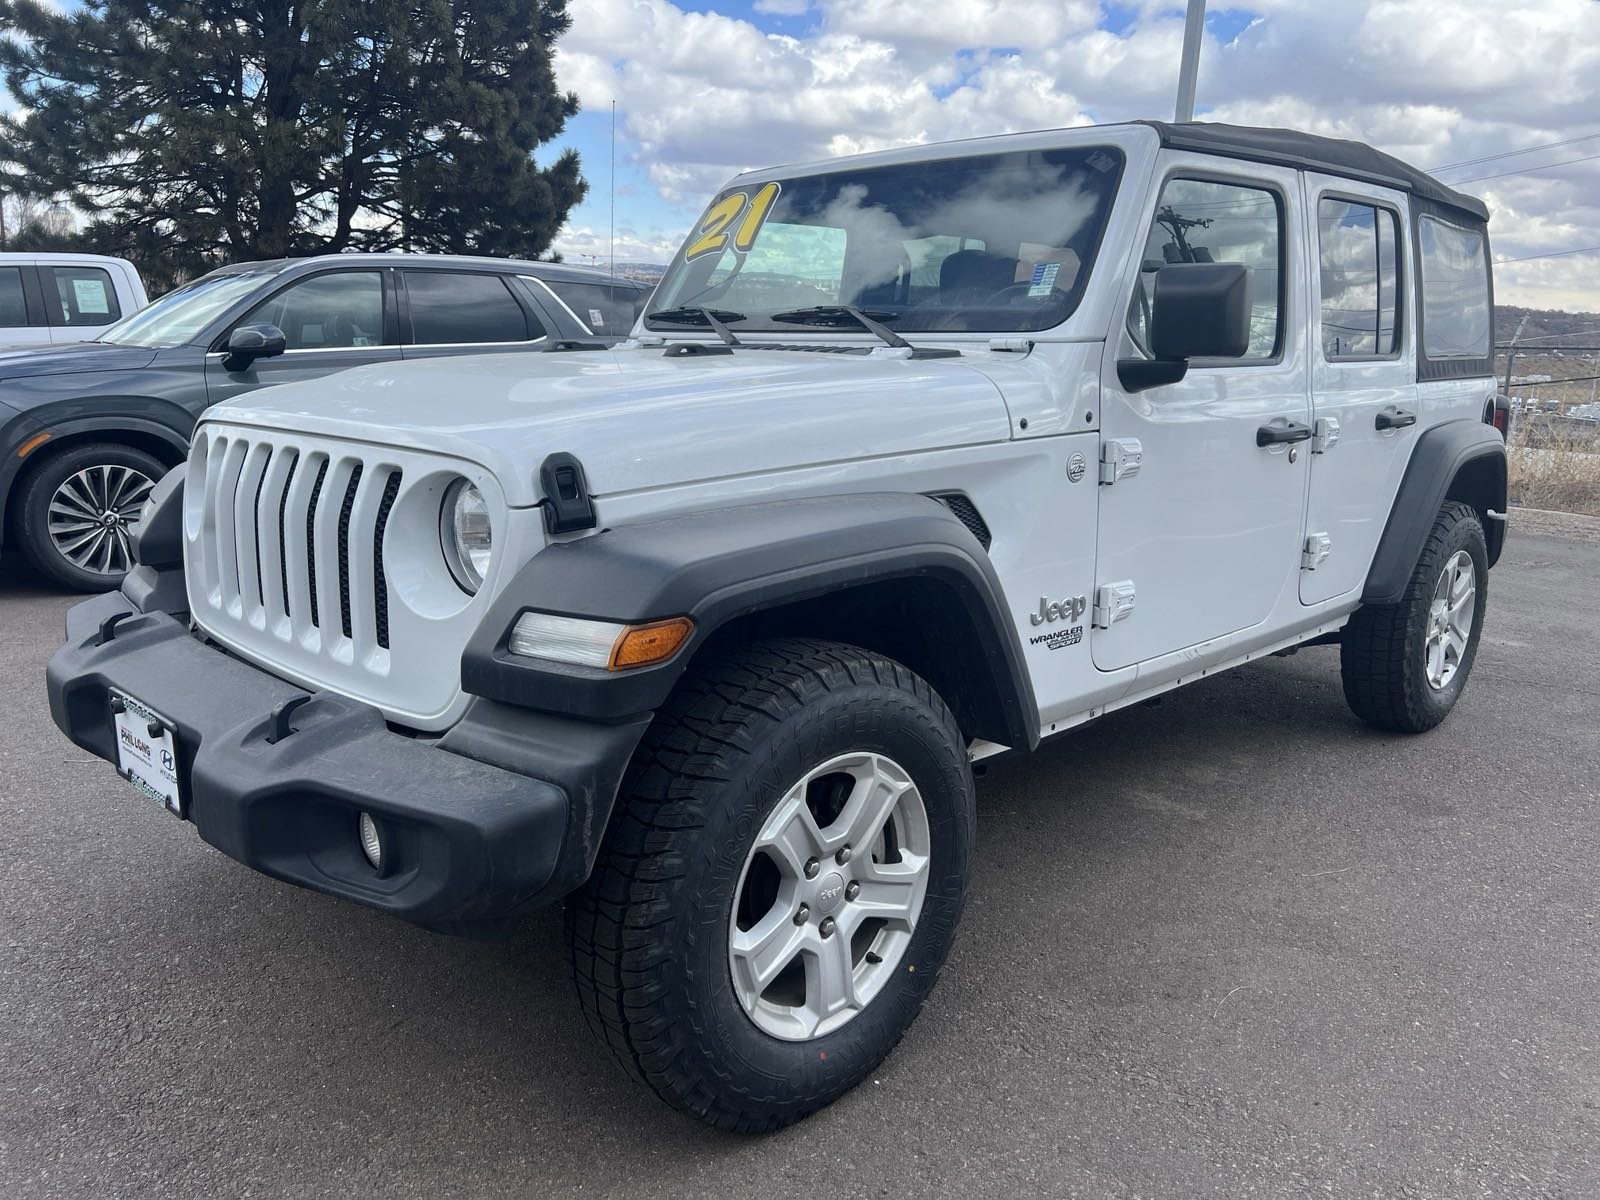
1279,432
1395,418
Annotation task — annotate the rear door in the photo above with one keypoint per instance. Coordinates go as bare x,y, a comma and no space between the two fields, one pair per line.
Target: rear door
331,321
447,312
1207,534
1363,373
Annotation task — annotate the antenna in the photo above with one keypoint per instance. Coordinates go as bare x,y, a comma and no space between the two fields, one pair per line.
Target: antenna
612,232
1194,25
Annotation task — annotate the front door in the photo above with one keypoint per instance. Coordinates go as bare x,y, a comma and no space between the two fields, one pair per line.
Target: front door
330,321
1208,532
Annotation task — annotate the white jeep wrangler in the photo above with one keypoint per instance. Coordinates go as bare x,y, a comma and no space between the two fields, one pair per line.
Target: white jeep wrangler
921,456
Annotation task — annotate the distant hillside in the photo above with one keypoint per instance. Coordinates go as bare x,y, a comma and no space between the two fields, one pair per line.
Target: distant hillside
1551,327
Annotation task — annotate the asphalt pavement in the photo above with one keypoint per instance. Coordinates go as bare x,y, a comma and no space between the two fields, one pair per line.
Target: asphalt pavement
1231,944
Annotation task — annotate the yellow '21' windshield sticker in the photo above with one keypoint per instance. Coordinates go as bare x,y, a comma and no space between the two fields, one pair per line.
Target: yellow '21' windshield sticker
739,211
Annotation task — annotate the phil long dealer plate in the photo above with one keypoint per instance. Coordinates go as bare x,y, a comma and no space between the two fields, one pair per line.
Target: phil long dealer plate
147,751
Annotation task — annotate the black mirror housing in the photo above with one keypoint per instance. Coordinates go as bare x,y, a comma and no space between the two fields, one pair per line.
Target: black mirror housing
250,342
1200,310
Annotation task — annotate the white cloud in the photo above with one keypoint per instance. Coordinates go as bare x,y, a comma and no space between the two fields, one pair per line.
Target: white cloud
702,96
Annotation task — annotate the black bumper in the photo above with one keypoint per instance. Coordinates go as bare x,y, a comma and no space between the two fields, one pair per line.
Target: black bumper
472,838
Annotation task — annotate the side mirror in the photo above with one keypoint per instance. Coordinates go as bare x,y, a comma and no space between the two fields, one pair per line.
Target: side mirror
1199,310
250,342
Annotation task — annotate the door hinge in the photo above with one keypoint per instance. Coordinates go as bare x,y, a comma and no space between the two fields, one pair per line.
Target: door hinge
1120,458
1325,435
1112,603
1318,547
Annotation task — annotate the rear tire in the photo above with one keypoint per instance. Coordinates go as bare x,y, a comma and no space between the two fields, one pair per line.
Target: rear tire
1405,665
77,510
692,956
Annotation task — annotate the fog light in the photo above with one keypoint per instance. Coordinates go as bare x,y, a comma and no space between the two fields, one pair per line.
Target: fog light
371,842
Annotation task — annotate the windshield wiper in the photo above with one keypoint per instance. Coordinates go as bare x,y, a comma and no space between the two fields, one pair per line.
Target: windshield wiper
695,314
836,315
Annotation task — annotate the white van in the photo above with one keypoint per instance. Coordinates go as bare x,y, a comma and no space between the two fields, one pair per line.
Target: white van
64,297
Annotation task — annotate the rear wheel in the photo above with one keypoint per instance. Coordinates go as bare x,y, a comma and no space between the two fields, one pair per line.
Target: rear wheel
780,883
1405,665
78,509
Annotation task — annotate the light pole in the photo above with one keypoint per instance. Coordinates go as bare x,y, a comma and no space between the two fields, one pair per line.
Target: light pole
1194,26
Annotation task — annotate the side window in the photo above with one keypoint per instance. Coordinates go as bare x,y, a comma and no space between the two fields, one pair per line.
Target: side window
1201,221
1358,260
1455,291
341,310
80,296
605,309
452,309
13,308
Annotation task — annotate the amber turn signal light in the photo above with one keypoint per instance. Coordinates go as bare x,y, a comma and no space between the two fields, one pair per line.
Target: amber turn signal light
644,645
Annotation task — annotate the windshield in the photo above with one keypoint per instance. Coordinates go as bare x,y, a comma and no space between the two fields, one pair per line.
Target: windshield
180,316
996,244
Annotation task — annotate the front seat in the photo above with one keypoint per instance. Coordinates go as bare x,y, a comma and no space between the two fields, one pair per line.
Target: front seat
972,276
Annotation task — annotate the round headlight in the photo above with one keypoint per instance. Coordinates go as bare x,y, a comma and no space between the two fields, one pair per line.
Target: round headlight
465,534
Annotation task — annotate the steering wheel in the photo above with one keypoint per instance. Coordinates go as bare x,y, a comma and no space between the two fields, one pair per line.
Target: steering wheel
1007,295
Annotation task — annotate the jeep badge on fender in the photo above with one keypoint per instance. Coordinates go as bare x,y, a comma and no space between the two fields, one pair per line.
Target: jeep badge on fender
727,713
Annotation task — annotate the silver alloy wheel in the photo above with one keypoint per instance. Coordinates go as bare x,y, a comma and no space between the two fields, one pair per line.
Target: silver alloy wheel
90,515
1455,601
826,904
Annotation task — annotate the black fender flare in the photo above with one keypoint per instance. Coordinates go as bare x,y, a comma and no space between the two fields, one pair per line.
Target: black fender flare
1455,460
718,565
11,467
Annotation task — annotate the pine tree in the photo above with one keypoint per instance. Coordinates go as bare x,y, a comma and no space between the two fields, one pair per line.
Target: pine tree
198,132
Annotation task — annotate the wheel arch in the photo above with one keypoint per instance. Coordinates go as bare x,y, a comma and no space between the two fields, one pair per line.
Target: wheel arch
160,441
892,572
1462,460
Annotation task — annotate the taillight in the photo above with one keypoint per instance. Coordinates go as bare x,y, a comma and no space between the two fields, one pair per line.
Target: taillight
1499,419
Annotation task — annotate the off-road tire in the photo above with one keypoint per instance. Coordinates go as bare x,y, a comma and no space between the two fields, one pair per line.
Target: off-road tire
649,932
39,486
1382,653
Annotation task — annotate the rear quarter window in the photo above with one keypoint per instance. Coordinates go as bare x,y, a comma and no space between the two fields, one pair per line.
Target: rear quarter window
80,296
607,309
1455,290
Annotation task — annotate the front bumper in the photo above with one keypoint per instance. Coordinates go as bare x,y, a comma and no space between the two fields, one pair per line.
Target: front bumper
472,839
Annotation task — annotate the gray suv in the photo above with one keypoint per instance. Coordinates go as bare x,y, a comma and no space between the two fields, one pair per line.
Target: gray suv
87,428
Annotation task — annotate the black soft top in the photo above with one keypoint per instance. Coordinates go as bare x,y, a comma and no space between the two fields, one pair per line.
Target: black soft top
1309,151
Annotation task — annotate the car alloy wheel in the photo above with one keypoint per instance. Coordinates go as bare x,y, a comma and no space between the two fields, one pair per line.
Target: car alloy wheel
91,516
829,896
1455,601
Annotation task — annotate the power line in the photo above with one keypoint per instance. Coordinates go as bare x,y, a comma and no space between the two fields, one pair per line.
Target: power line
1524,171
1473,162
1552,254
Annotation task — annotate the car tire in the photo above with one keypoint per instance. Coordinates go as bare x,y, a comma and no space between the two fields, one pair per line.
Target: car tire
63,526
1405,665
667,936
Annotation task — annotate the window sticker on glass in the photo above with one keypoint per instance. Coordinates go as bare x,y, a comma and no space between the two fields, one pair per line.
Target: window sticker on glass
597,319
740,211
1043,281
91,295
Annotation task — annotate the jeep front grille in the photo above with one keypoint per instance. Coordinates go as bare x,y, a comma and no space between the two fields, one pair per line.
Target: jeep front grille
287,565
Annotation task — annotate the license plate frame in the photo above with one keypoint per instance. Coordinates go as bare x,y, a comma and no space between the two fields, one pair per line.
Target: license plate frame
147,751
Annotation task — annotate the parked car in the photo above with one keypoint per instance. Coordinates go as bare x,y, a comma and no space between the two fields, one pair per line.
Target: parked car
85,429
921,456
55,298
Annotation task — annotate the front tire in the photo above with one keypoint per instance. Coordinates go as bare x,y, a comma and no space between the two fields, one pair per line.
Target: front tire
1405,665
78,509
780,883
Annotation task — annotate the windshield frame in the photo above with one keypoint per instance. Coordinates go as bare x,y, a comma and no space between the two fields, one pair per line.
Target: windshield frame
259,274
837,175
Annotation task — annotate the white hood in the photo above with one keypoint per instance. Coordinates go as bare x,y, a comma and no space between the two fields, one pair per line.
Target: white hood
638,419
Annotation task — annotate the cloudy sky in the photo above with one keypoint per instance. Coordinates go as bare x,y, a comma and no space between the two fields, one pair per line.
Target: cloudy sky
706,88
